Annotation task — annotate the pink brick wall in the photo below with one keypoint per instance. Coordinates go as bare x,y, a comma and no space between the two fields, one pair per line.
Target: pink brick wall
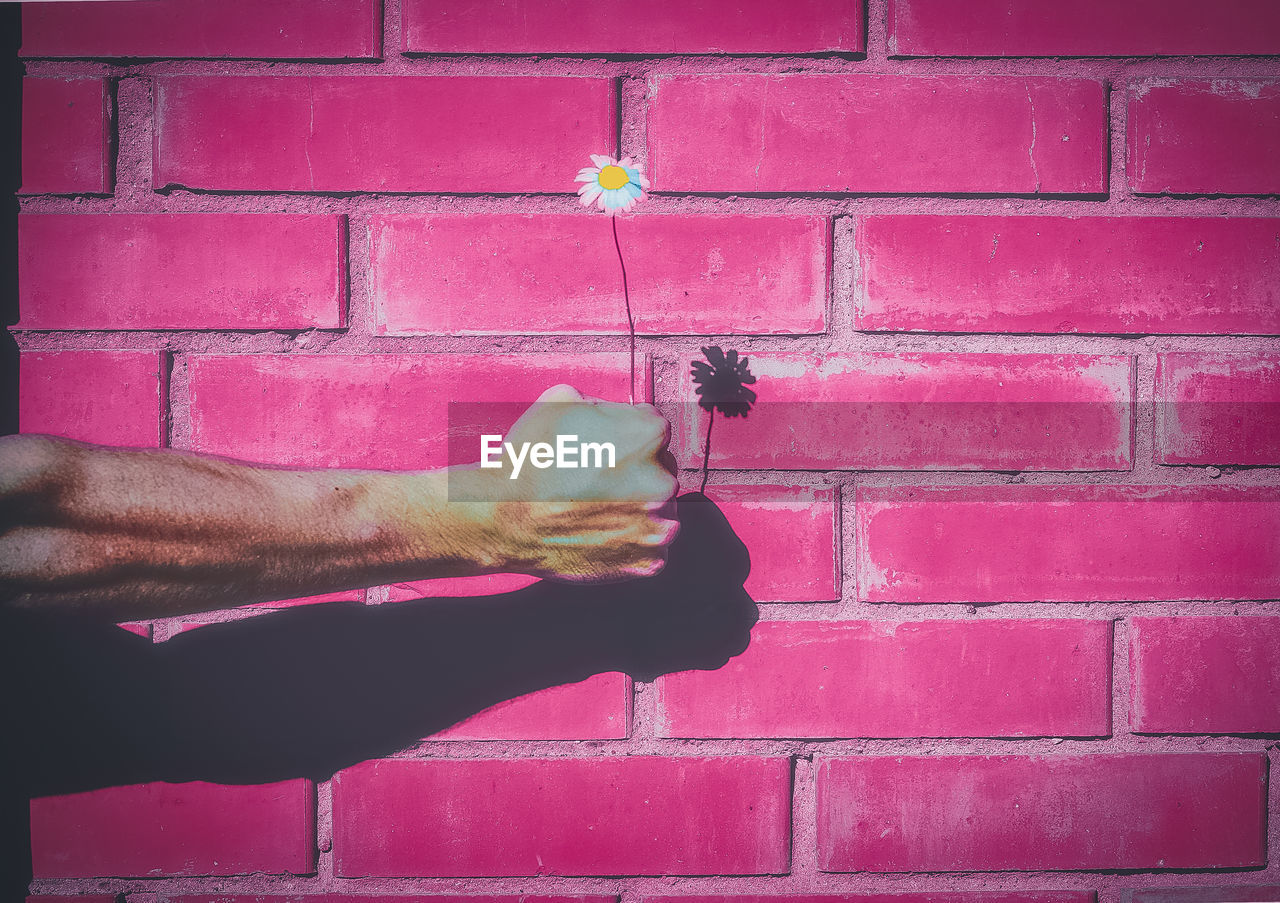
1023,651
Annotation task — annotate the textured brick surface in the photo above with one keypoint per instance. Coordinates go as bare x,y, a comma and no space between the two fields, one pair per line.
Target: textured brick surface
920,411
877,134
1192,137
1218,409
949,813
1067,544
65,136
696,275
1082,28
1205,675
919,897
1255,893
604,816
354,595
1052,274
347,133
598,708
150,830
381,411
190,271
658,26
108,397
916,679
410,898
264,29
804,568
1008,273
484,585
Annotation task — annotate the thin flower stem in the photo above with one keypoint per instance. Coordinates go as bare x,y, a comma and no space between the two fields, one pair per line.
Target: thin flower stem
706,452
631,323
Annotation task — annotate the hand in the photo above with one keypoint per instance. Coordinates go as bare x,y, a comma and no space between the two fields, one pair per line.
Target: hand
588,523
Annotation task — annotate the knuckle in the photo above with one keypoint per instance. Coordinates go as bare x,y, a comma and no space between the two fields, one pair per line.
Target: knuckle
649,429
668,485
656,488
666,532
657,534
648,567
660,427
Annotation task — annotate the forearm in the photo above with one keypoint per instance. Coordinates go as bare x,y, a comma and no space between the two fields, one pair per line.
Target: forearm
131,533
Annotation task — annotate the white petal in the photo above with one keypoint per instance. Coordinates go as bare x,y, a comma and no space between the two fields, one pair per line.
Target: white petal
621,199
626,161
644,183
583,189
601,160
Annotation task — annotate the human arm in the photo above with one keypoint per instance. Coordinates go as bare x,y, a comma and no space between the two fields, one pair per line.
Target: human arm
127,533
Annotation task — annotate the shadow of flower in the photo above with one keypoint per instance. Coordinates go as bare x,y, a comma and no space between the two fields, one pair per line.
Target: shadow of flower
722,383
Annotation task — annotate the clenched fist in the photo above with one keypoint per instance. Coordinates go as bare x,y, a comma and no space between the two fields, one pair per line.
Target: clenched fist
577,493
602,510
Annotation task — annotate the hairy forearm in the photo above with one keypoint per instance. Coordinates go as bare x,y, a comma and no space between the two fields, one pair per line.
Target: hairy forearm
135,533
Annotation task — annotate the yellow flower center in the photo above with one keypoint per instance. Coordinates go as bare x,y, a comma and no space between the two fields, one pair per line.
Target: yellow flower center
613,177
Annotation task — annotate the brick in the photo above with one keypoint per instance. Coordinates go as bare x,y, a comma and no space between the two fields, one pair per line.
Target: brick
919,411
181,271
1054,274
688,275
1204,675
806,567
205,29
620,815
920,897
66,136
231,616
384,411
1218,409
1190,138
655,27
984,544
334,133
447,587
997,28
350,595
989,813
877,134
354,595
108,397
1254,893
411,898
152,830
598,708
998,678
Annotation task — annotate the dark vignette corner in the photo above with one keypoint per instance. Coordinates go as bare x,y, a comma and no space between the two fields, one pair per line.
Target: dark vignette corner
10,179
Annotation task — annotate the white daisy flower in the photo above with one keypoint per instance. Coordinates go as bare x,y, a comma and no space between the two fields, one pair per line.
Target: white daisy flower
612,185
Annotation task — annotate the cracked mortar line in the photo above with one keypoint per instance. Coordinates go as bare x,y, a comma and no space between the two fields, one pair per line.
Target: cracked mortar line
764,106
1031,151
311,130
